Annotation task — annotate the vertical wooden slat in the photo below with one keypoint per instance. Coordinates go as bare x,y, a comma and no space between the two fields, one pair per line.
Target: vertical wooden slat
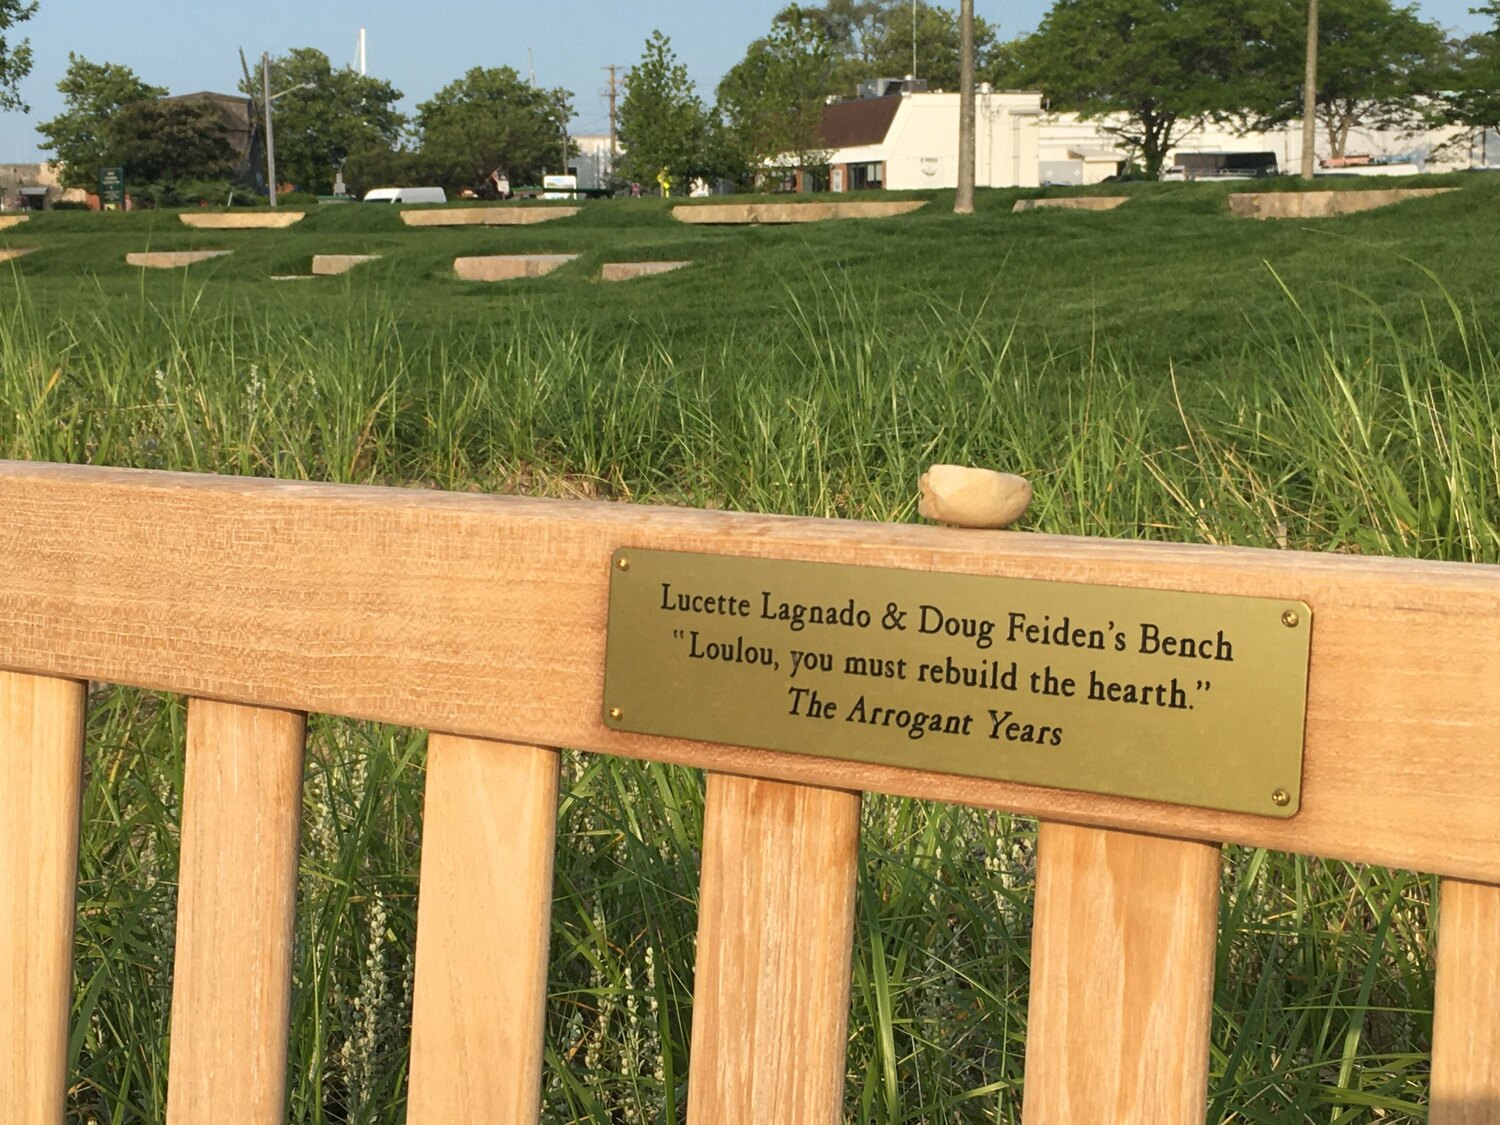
1122,973
485,902
775,934
41,761
1466,1012
241,808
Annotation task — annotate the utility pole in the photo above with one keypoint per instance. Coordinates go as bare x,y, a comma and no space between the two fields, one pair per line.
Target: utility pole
963,198
265,80
613,143
1310,95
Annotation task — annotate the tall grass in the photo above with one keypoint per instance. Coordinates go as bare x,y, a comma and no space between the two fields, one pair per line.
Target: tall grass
1330,430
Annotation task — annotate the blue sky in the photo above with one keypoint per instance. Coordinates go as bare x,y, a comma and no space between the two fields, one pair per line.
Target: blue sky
421,45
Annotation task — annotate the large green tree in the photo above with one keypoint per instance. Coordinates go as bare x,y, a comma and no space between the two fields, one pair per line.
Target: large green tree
168,141
93,96
1379,65
491,120
665,129
325,115
936,38
15,58
1473,97
772,99
1157,64
887,38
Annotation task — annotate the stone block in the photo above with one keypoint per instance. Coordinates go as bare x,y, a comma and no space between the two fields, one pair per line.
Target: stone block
1320,204
16,252
726,213
172,259
8,221
1073,202
241,220
327,265
508,215
627,271
507,267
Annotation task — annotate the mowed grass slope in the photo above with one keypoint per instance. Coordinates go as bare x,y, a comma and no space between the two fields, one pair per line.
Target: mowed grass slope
1161,371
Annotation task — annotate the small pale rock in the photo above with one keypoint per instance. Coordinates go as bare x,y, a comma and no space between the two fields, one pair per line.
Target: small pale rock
965,497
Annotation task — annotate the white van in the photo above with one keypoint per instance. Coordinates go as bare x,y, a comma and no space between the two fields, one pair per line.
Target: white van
406,195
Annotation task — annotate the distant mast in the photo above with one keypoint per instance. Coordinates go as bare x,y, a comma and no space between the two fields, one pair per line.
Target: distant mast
362,52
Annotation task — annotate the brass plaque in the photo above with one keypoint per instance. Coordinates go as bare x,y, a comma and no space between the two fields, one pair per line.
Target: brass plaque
1193,699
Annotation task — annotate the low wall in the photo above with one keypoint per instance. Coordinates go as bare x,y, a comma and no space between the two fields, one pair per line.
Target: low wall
248,220
792,212
627,271
328,265
172,259
1073,203
486,216
1320,204
508,267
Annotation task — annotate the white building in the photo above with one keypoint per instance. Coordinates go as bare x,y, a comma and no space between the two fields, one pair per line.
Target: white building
910,140
1075,150
594,162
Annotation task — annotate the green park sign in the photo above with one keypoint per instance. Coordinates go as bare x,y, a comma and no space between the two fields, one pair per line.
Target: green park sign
112,189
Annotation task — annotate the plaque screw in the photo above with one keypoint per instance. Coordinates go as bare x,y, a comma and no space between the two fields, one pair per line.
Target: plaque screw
1290,620
616,713
622,563
1280,797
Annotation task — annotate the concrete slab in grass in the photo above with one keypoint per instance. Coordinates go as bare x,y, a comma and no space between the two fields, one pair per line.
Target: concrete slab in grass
172,259
1320,204
1073,203
768,213
486,216
16,252
252,220
628,271
8,221
327,265
508,267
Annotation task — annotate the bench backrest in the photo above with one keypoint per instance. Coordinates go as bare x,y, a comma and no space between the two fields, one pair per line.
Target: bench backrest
483,620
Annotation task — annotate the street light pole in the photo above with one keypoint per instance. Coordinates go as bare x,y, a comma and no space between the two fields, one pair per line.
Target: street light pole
265,79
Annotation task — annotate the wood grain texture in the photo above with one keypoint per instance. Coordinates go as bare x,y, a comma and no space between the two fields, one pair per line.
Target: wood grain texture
41,763
775,934
1466,1012
483,920
400,605
237,884
1122,977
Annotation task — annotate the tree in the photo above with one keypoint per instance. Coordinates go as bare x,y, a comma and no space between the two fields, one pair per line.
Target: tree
340,112
773,98
1378,65
166,141
664,127
492,119
887,38
93,95
1158,63
15,61
938,38
1473,97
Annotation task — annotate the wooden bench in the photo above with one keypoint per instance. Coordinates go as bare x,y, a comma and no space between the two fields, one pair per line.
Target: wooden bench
482,620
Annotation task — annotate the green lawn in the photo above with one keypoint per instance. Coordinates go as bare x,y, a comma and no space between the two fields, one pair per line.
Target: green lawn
1161,371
